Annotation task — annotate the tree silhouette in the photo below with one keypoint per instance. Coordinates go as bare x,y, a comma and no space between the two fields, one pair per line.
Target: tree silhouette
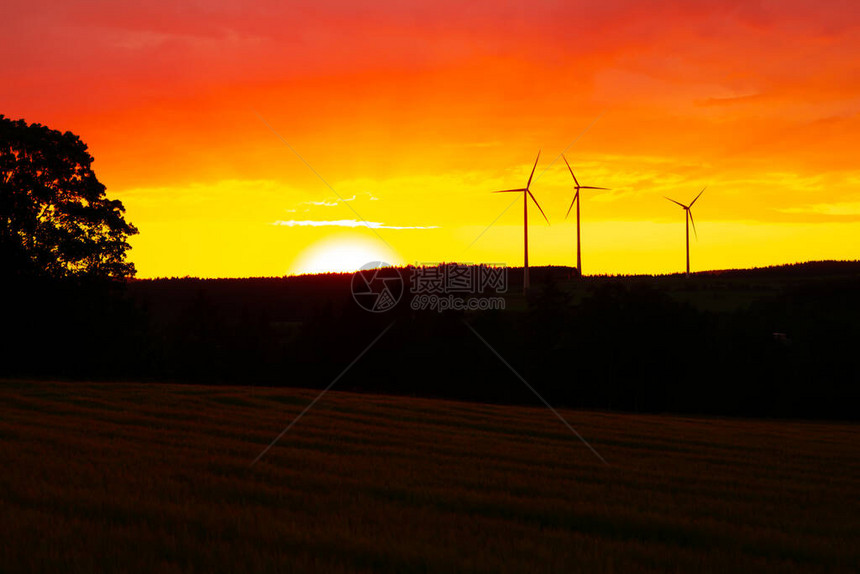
55,219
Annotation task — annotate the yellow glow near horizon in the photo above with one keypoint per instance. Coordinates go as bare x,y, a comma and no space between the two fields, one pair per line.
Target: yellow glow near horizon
230,240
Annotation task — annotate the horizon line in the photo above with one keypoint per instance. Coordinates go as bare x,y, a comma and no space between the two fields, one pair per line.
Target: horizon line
514,267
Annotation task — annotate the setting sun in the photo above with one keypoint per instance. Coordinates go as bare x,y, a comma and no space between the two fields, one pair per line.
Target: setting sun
343,253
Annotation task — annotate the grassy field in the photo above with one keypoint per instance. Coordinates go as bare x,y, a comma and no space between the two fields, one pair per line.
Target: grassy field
139,477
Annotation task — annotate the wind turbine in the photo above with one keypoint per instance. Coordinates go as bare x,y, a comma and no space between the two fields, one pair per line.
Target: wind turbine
577,201
526,195
688,218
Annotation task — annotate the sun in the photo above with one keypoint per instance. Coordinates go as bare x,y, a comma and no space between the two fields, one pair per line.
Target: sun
343,254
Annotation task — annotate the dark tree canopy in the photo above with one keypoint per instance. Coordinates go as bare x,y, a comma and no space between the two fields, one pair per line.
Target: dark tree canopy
55,219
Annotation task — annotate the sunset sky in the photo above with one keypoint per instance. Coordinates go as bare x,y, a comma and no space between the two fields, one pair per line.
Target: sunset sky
413,112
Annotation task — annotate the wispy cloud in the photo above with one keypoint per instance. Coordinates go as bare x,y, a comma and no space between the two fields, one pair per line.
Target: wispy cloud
347,223
328,203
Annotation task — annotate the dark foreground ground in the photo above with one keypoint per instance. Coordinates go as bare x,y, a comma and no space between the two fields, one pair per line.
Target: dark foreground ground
131,477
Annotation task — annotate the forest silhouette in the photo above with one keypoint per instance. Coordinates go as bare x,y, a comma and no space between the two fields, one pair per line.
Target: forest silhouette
776,342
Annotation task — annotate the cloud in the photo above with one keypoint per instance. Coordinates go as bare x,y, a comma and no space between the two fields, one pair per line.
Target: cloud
328,203
346,223
320,203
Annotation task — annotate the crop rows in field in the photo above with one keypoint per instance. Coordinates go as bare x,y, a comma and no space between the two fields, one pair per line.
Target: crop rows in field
159,477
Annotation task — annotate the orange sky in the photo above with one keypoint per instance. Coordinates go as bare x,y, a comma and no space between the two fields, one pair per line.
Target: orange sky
414,112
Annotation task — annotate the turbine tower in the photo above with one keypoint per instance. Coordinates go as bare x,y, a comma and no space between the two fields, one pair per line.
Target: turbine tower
526,195
688,218
577,201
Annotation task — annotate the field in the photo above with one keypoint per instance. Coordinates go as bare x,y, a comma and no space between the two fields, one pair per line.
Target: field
140,477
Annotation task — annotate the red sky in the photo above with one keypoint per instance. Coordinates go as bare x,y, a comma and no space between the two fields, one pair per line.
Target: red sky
420,109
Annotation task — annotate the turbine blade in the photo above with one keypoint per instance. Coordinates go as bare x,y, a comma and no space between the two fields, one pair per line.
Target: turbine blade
698,196
510,190
575,197
590,187
538,206
533,171
571,171
676,202
690,213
